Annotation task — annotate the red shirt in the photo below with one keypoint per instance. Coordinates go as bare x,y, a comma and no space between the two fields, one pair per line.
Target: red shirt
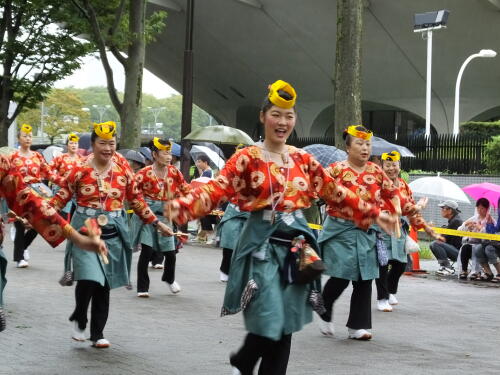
161,189
118,185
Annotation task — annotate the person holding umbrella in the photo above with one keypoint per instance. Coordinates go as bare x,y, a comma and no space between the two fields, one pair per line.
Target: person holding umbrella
272,181
389,274
158,183
350,252
101,184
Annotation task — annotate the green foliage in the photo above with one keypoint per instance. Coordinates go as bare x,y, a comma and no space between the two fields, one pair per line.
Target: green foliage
63,114
34,52
492,155
486,129
95,98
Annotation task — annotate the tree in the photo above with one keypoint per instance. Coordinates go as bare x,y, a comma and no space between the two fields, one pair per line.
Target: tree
348,66
121,25
63,115
34,53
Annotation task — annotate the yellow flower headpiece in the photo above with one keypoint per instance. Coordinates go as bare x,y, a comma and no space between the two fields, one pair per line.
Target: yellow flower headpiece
25,128
72,137
359,133
392,156
160,146
276,99
105,130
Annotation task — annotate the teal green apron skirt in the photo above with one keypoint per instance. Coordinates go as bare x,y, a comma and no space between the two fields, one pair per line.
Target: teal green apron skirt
3,270
348,252
231,226
88,265
396,246
147,234
270,307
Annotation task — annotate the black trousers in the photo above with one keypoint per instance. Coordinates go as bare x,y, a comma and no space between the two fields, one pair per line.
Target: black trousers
388,281
360,312
465,256
86,291
157,257
23,239
207,222
274,354
226,260
142,268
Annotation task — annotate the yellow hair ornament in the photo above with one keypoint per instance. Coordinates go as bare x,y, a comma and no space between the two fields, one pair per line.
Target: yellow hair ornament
276,99
72,137
359,133
392,156
25,128
160,146
105,130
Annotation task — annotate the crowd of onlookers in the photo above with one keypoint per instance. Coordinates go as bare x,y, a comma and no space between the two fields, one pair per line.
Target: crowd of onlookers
476,259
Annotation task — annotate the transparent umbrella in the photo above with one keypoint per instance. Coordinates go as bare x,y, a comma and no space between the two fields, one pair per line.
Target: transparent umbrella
437,187
216,161
380,145
220,134
325,154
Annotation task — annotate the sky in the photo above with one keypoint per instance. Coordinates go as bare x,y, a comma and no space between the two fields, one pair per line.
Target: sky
92,73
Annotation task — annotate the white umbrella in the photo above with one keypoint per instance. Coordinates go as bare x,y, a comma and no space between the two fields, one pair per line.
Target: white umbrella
216,161
439,188
51,152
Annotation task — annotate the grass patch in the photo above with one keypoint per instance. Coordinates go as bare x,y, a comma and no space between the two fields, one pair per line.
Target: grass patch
425,252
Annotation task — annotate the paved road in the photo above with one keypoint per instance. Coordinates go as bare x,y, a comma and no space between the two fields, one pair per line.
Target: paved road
440,327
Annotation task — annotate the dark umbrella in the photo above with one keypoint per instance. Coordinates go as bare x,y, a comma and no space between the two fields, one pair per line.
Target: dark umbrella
325,154
380,145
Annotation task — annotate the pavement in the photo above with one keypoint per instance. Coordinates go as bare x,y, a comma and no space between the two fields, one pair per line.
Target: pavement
441,326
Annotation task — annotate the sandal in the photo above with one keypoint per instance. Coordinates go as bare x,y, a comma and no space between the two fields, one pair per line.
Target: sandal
486,277
496,279
463,275
475,276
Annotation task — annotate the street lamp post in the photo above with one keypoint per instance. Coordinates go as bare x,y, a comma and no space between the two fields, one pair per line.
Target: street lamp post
456,114
426,23
101,109
156,112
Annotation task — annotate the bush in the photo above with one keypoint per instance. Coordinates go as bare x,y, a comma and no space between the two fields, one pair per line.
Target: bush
485,129
492,155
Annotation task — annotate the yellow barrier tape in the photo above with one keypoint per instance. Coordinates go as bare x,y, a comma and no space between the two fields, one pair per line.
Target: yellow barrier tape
463,233
451,232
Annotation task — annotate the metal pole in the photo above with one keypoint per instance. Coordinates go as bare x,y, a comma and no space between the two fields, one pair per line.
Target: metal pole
456,112
428,85
187,88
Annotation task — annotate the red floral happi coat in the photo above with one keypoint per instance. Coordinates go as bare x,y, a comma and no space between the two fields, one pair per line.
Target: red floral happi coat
372,186
26,203
150,184
62,165
34,168
119,182
416,220
248,177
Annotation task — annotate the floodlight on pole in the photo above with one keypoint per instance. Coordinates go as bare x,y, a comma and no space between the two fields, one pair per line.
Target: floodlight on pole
456,114
427,23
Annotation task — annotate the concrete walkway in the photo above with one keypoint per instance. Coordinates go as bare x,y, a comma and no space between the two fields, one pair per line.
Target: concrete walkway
440,327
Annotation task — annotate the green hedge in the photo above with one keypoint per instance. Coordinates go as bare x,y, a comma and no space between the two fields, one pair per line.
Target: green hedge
480,128
492,155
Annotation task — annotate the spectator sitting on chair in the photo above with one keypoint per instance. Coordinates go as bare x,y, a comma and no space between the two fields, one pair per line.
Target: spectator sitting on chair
471,247
444,251
489,251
